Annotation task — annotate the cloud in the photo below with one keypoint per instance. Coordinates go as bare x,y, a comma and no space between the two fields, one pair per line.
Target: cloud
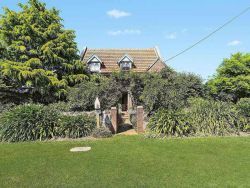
171,36
234,43
125,32
184,30
118,13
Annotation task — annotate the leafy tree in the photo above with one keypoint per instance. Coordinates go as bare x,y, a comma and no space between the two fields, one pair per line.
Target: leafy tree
136,87
243,105
233,78
168,73
38,55
170,90
82,96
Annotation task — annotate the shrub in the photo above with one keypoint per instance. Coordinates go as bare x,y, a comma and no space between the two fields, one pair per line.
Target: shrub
31,122
60,106
76,126
209,117
28,122
170,90
133,120
169,123
82,96
6,107
201,117
243,105
102,132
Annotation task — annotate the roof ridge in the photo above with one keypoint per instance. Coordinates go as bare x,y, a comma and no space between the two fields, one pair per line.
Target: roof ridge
121,48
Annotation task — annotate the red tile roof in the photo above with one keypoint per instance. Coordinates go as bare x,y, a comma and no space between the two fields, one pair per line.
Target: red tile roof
143,59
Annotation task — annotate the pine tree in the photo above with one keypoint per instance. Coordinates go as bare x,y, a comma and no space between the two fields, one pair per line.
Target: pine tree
37,54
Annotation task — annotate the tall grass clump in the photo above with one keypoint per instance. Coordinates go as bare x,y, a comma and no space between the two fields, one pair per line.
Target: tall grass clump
28,122
76,126
201,118
209,117
169,123
243,106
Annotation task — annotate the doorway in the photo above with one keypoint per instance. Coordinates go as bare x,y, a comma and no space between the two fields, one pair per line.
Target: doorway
125,101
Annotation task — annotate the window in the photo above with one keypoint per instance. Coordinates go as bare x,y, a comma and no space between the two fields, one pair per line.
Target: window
94,67
125,63
94,64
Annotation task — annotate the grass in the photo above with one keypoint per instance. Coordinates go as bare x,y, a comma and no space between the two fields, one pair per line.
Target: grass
128,161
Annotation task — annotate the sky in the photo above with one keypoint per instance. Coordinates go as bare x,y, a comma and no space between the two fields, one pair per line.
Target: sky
172,25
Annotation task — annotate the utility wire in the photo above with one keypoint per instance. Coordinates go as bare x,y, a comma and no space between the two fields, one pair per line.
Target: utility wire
209,35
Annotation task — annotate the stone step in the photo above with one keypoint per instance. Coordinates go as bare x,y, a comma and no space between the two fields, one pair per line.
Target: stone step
125,114
125,117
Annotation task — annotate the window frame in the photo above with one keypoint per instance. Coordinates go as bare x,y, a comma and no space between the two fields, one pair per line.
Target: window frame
94,60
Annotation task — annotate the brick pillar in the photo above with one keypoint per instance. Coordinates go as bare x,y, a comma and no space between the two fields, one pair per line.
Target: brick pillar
114,119
130,104
140,119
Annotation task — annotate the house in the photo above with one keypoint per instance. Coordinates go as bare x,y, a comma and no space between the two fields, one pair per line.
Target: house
106,61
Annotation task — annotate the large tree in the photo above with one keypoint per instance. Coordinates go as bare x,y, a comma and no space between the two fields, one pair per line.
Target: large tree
170,90
37,54
233,78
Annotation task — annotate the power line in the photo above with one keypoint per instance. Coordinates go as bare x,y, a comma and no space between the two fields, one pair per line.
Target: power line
209,35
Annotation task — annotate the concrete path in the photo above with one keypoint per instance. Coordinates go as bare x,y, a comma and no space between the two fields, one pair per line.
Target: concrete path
128,132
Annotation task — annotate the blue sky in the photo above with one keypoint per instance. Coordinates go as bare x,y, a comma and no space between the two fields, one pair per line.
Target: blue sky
170,25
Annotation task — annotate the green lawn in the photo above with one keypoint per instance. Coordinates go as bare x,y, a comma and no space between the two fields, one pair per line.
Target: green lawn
128,161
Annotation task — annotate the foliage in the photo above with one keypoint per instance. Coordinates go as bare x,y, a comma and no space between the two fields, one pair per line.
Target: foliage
10,95
170,90
133,120
168,73
101,132
209,117
6,107
136,87
167,90
82,96
60,106
201,117
31,122
108,89
76,126
169,123
131,82
243,106
28,122
40,56
232,78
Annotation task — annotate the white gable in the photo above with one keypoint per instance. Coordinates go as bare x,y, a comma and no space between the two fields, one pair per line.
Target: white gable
125,58
94,59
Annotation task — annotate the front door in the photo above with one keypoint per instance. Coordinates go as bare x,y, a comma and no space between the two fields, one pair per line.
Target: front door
124,101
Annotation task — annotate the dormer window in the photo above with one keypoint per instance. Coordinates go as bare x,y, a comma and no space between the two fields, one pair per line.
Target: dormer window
125,63
94,64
